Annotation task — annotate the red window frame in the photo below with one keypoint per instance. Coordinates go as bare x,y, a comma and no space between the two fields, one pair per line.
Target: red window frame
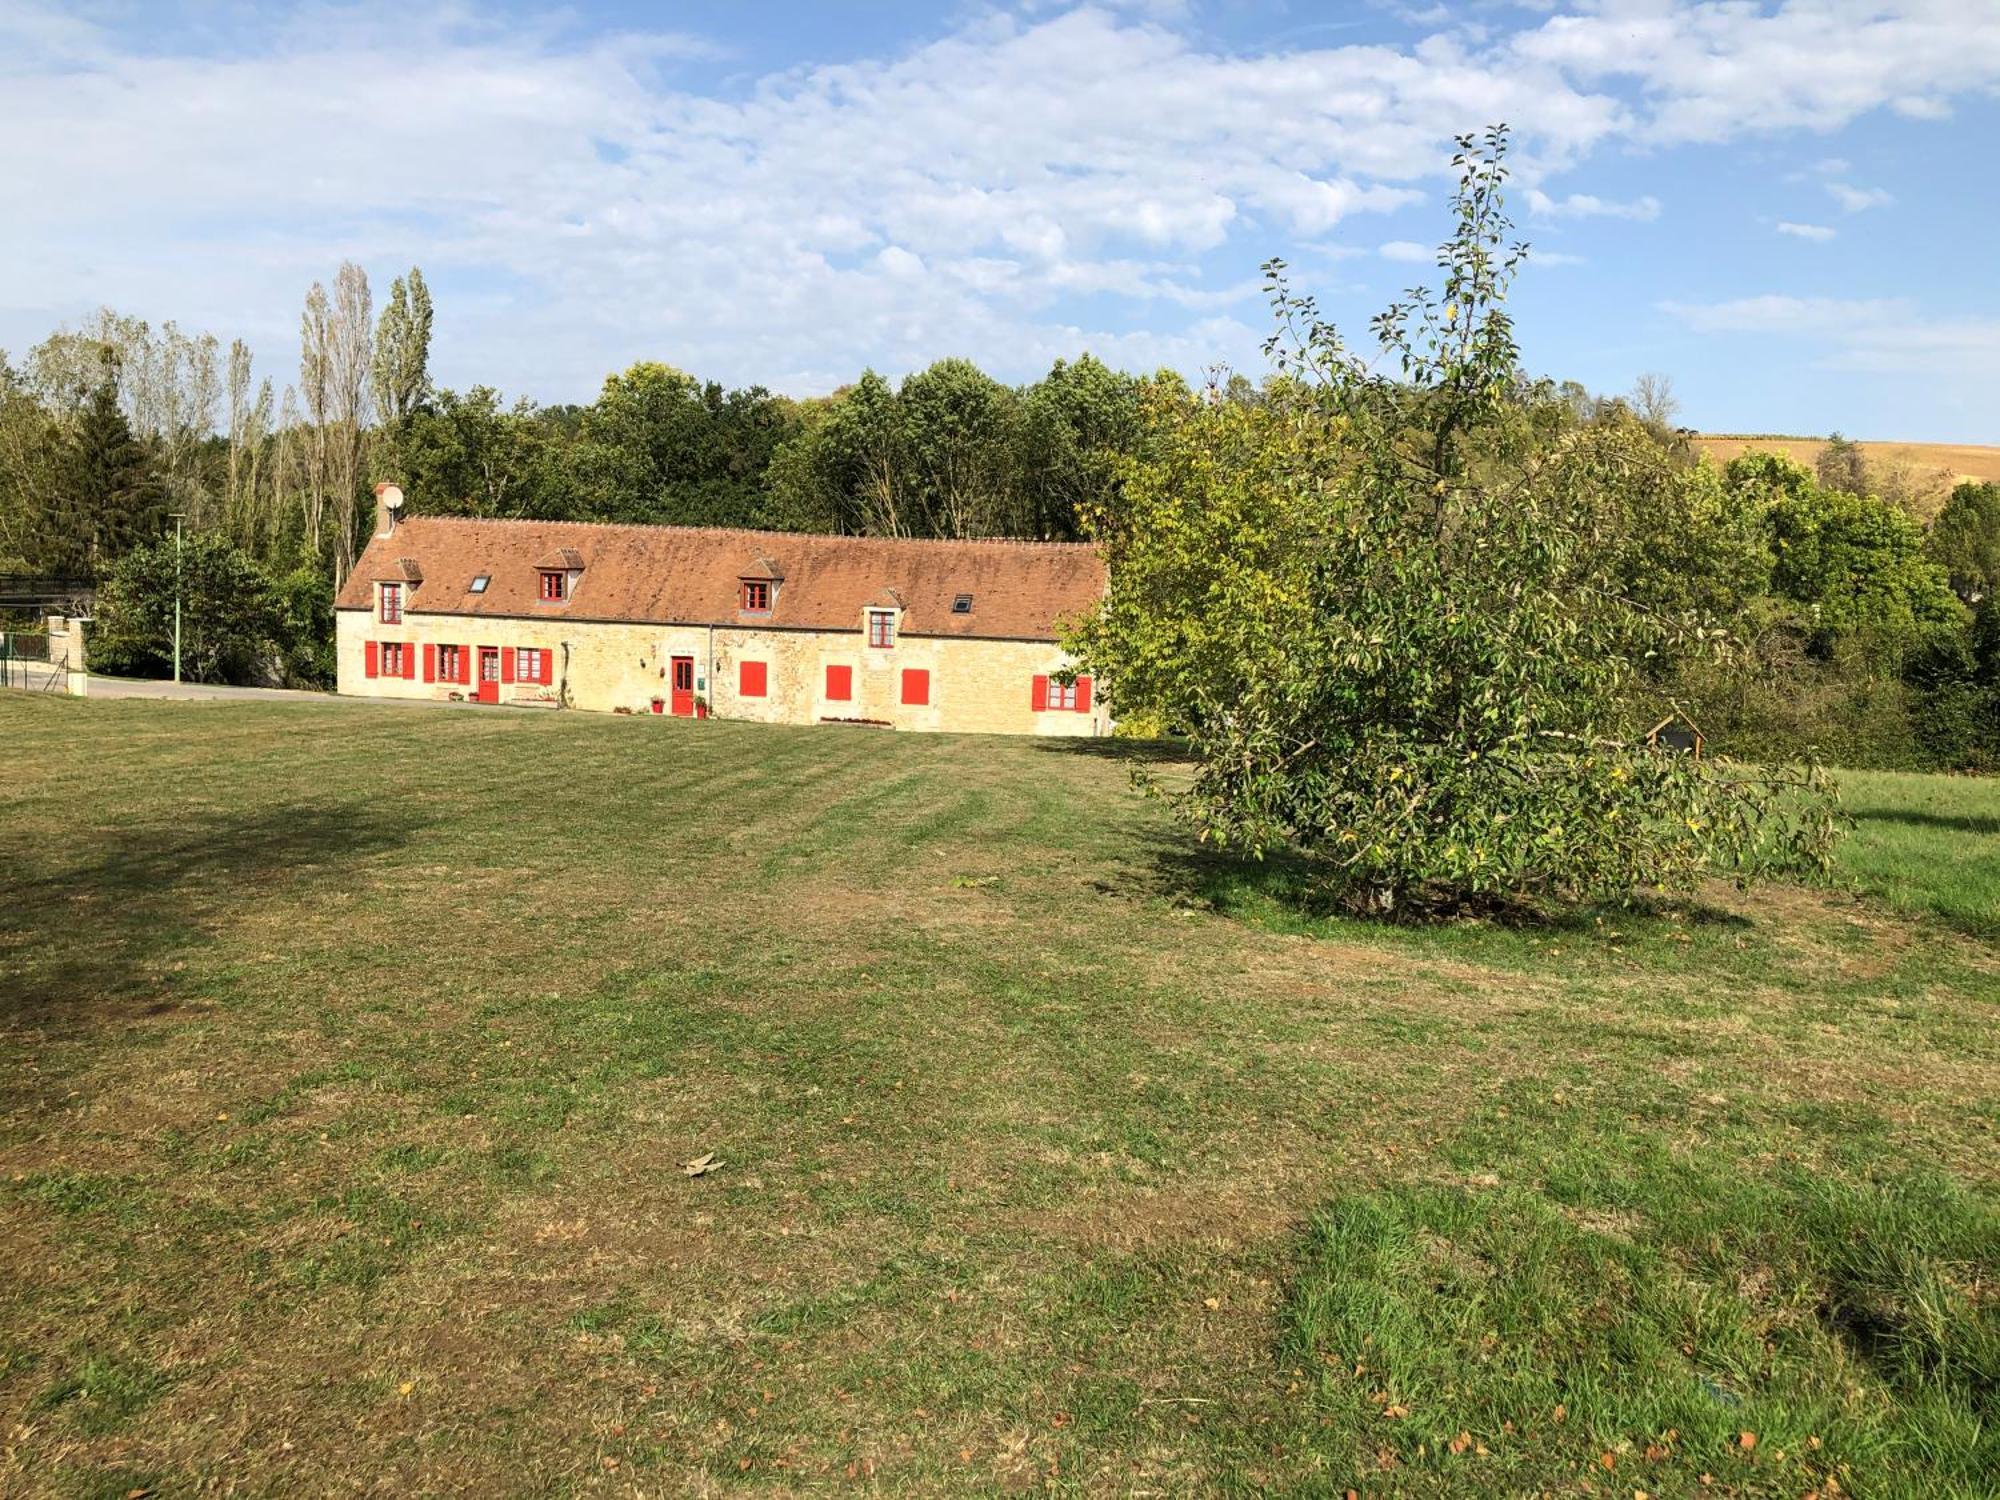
392,658
839,684
1046,693
756,596
531,664
391,611
916,687
882,628
754,679
555,586
448,663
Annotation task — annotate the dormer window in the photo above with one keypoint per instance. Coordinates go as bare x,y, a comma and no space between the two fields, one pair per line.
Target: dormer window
392,604
557,572
882,628
756,596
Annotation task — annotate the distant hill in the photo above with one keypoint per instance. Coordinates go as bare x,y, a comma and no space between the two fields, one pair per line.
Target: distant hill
1920,473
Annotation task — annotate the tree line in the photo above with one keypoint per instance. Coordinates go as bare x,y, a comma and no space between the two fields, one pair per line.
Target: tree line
1854,626
111,429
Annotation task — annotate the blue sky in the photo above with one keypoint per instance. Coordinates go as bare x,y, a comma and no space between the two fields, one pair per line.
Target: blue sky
1788,206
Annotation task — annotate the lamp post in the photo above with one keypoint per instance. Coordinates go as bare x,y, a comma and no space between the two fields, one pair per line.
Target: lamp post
178,517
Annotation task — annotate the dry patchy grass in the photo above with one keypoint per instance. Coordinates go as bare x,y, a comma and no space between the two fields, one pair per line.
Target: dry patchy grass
351,1056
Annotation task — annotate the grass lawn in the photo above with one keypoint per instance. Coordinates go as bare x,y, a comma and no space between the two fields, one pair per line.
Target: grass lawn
351,1055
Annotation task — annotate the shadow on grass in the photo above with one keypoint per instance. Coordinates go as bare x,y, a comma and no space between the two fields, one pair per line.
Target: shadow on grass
1955,822
1283,892
85,938
1133,752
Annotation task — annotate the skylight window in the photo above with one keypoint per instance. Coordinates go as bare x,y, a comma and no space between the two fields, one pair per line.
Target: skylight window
479,583
962,605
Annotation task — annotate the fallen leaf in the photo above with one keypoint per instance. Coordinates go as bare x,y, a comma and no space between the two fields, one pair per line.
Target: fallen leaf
1746,1440
1395,1413
1460,1443
1607,1461
1212,1303
1561,1413
406,1387
703,1164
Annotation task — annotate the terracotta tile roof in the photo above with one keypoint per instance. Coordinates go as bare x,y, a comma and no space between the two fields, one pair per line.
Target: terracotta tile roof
386,569
692,575
560,559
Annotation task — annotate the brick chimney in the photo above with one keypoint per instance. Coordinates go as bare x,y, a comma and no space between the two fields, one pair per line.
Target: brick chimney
388,508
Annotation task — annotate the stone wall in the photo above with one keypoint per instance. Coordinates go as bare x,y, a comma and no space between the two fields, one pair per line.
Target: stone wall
975,686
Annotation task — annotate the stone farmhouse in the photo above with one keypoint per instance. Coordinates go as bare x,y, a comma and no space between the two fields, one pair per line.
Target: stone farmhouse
697,621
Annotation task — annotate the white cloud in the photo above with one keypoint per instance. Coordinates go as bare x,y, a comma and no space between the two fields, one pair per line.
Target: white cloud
1854,199
580,203
1590,206
1818,232
1866,335
1409,252
1717,69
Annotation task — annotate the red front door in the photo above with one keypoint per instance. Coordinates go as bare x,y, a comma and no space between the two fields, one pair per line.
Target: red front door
489,674
683,679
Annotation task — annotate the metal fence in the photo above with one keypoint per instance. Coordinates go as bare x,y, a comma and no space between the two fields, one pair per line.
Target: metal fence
24,661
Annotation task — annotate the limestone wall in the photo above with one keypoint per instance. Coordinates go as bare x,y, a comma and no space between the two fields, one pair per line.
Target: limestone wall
975,686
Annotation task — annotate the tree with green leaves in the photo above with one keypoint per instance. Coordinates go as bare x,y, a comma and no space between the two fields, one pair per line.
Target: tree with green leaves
1078,423
227,614
469,455
1380,608
1856,565
661,446
110,492
1965,540
402,361
963,430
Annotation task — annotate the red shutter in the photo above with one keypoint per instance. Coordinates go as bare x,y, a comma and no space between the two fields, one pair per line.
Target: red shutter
374,656
1038,699
430,662
1083,695
916,687
549,667
465,655
755,679
839,684
409,663
507,664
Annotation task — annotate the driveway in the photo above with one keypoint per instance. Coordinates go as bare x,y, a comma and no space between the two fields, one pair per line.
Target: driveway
38,680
